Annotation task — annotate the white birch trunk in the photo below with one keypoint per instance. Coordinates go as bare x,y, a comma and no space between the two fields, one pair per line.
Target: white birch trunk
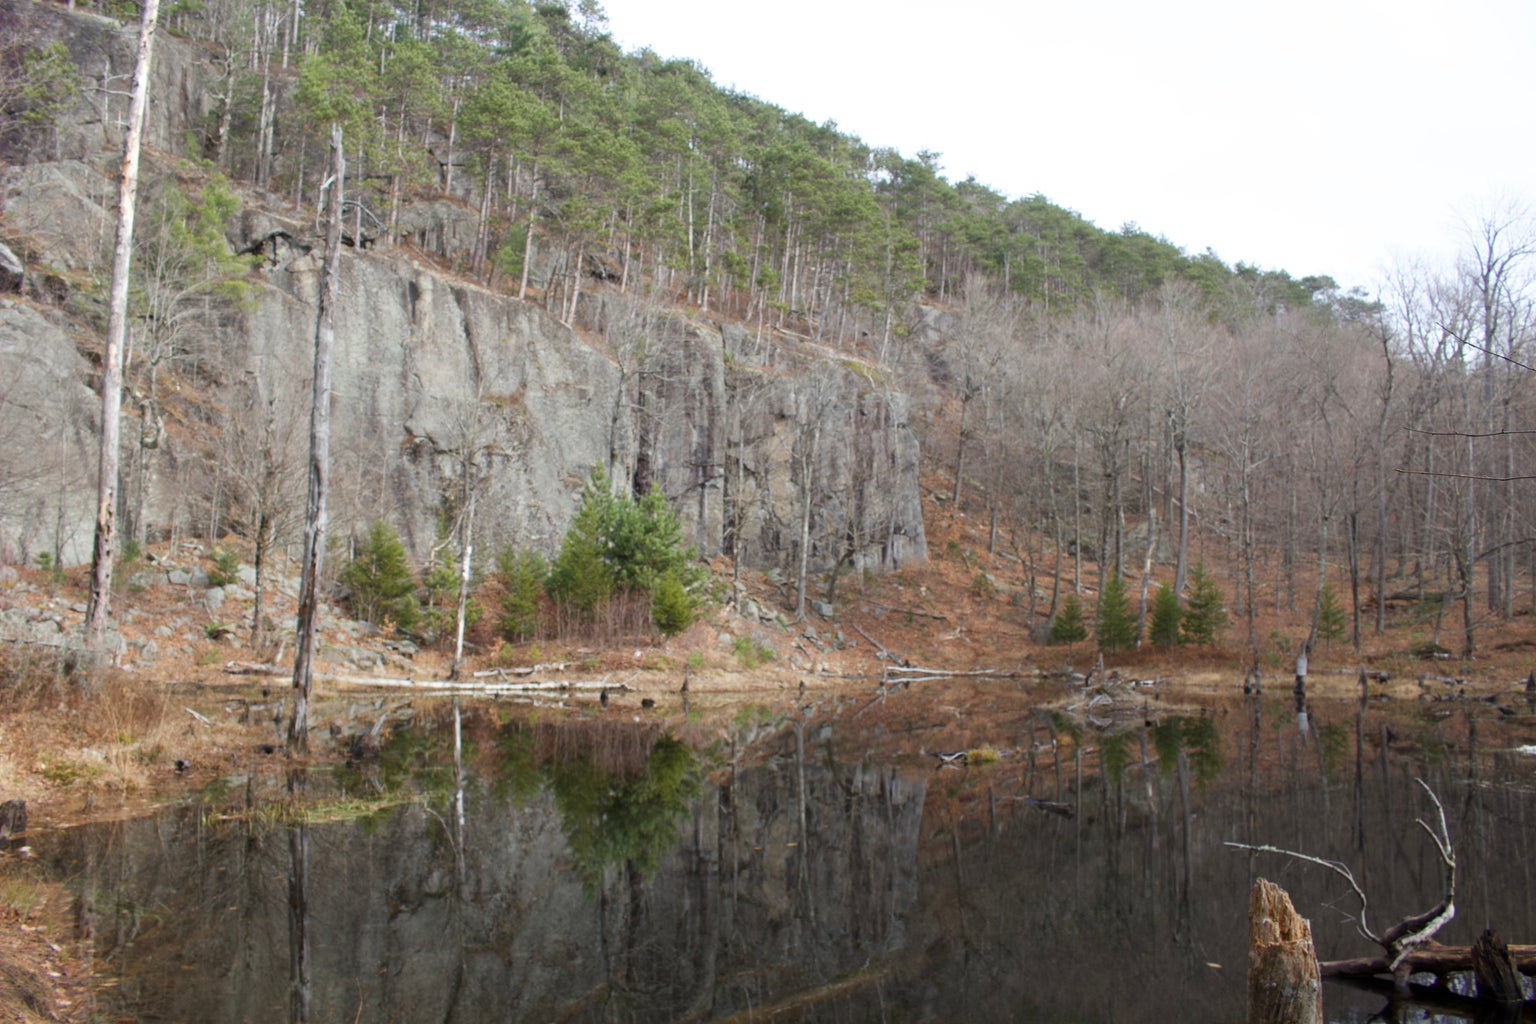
105,551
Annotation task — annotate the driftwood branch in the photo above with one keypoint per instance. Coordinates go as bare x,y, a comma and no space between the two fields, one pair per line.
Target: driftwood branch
1430,958
916,673
1337,867
1403,939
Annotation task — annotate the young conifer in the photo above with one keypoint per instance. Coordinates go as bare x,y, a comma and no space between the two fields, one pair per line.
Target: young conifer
1204,615
1068,626
1166,615
1116,629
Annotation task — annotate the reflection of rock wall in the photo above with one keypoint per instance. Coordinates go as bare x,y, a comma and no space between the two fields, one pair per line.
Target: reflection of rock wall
750,906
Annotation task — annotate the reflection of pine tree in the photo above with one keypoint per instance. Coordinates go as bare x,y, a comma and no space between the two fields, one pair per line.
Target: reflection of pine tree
1069,626
1166,615
1116,629
1204,615
608,821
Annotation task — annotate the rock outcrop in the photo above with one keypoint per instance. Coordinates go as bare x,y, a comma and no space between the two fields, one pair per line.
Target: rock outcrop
443,388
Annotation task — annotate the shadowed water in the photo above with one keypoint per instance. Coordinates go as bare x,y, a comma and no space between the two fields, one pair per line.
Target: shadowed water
607,873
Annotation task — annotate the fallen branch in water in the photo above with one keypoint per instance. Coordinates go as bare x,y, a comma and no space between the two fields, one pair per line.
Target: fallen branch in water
916,673
1410,935
254,668
1049,806
1430,958
521,670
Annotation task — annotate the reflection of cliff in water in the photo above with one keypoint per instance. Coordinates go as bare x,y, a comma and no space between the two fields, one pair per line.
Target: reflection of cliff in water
831,892
781,878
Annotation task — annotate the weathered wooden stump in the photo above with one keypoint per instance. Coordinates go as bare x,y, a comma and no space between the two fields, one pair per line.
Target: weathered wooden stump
1498,980
1283,982
13,818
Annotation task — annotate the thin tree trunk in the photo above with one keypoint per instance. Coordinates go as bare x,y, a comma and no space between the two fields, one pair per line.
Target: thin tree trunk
319,459
533,216
1181,566
458,642
105,551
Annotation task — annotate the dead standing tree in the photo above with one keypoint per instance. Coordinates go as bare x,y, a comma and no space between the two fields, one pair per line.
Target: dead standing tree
319,458
1406,938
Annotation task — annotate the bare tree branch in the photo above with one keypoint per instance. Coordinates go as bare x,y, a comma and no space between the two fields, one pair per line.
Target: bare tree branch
1408,935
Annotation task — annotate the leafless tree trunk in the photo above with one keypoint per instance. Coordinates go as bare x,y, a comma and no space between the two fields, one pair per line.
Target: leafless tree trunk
319,458
100,605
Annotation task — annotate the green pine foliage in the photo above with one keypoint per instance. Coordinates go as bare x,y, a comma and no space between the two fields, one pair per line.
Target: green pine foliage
581,580
1205,616
1068,626
546,84
39,84
1166,615
383,588
1331,620
521,575
620,546
1116,630
672,609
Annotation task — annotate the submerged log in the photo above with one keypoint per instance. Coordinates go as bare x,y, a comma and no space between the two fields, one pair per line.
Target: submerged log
1431,958
1284,986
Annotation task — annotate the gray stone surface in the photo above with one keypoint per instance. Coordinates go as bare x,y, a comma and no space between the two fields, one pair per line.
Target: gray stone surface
426,367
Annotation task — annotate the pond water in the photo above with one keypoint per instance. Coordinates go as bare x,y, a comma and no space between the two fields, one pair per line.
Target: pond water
603,871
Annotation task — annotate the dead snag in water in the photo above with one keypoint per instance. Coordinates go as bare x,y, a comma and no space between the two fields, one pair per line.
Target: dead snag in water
1498,980
1284,986
1402,939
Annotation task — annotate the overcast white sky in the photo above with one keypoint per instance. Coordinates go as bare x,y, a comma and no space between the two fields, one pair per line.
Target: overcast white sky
1314,136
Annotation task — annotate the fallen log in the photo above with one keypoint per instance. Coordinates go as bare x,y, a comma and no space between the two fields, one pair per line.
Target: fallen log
915,673
461,686
1432,958
253,668
520,670
1049,806
880,649
907,611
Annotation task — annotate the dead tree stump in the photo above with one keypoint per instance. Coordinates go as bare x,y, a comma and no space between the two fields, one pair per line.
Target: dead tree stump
1283,982
1498,980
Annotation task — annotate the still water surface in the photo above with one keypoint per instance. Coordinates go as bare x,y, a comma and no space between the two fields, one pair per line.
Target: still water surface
603,871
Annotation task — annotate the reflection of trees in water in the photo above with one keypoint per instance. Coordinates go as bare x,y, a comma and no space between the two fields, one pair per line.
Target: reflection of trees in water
613,821
840,891
1119,913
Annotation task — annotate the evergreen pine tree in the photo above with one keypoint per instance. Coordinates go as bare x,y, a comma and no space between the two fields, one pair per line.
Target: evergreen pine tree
581,578
383,589
1204,615
1116,629
1330,615
1166,613
672,607
1068,626
521,574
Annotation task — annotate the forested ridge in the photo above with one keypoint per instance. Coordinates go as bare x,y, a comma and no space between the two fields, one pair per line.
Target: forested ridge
1109,401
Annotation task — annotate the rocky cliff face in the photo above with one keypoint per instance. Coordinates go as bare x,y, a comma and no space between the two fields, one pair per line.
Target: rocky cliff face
443,389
